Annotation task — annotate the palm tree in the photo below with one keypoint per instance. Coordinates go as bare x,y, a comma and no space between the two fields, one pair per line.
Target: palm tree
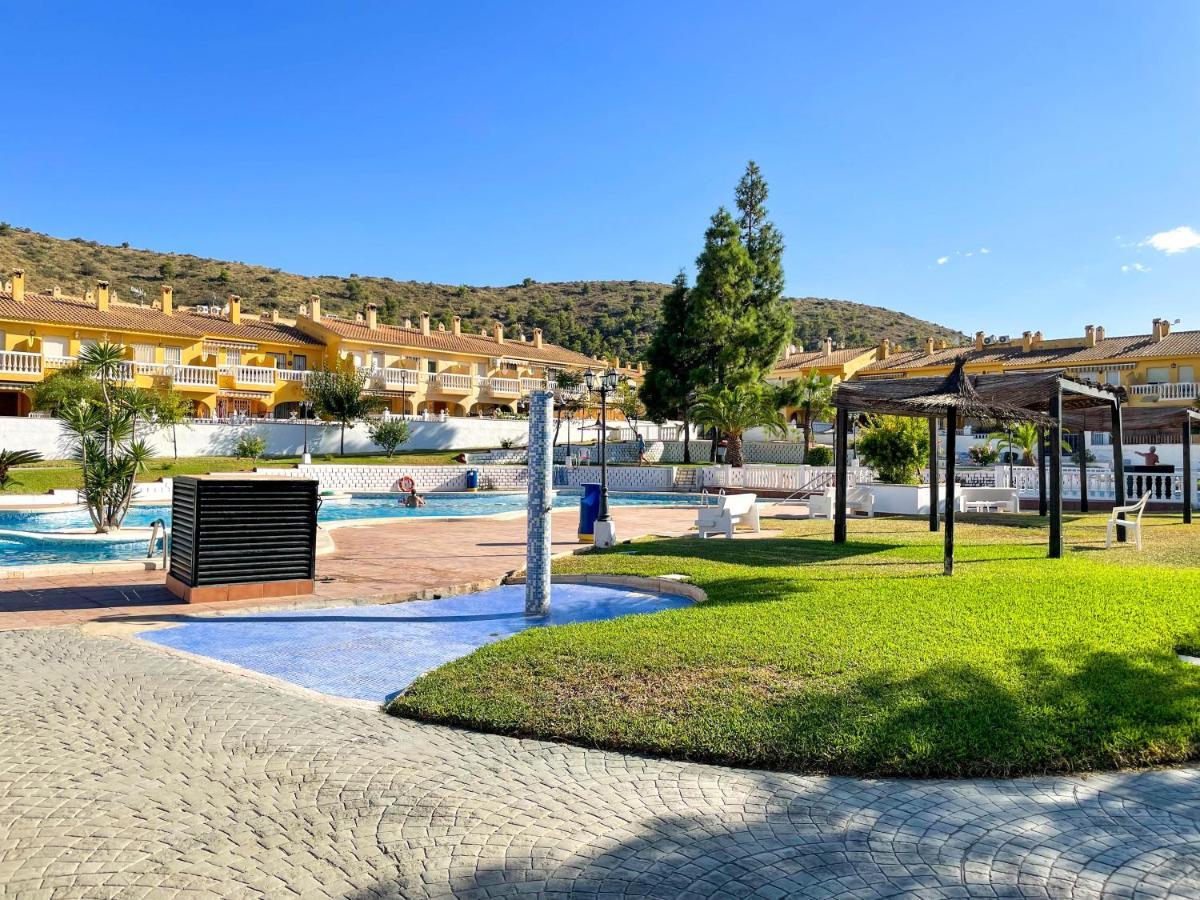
811,396
732,411
1022,437
12,458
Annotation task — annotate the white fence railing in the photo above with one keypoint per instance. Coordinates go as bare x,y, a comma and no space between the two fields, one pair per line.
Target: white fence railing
292,374
502,385
450,381
780,478
18,363
1179,390
1166,487
193,376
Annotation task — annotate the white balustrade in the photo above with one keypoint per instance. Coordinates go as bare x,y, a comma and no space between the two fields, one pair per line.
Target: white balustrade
59,362
193,376
504,385
1180,390
292,374
18,363
450,381
529,385
260,375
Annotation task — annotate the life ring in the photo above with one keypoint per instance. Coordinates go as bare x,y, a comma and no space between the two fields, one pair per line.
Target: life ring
407,484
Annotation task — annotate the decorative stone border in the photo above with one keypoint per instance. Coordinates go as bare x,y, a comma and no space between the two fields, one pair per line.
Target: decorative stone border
647,584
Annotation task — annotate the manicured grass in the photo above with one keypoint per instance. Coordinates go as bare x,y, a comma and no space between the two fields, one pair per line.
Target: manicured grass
46,476
862,659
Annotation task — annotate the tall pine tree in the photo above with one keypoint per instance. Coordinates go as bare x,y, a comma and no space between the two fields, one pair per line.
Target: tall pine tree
768,314
677,361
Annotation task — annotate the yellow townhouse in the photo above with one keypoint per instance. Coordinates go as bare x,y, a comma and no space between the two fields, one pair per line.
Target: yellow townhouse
232,364
223,363
836,363
1159,367
427,368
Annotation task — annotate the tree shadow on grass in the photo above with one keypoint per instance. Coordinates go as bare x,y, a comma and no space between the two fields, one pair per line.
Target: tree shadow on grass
774,551
1039,714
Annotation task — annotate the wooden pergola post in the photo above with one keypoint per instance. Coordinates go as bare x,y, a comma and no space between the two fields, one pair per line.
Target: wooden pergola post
1187,469
1118,445
933,474
841,451
1041,462
1083,495
1056,539
948,553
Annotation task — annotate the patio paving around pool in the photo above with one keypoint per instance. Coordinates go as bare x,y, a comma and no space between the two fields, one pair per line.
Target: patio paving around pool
371,564
374,652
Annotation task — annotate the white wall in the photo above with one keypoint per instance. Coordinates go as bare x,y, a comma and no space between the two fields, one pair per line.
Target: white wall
283,438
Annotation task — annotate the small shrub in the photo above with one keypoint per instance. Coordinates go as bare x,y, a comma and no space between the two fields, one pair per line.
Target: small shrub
249,446
389,434
984,454
507,443
819,456
896,447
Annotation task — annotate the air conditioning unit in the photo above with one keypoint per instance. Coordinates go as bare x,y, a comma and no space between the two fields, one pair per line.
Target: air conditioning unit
990,339
1003,339
201,310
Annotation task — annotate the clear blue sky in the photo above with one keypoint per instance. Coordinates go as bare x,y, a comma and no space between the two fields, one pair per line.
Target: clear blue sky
483,143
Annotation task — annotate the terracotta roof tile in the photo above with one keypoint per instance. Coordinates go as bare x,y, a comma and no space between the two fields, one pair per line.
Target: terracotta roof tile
143,320
1138,346
397,336
816,358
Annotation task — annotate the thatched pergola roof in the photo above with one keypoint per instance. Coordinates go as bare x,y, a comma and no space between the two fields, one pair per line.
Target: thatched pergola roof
1001,398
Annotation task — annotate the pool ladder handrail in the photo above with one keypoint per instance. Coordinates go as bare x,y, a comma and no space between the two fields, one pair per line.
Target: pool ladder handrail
158,528
705,496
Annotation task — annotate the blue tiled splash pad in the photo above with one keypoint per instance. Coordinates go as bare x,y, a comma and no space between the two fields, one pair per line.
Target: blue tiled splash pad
374,652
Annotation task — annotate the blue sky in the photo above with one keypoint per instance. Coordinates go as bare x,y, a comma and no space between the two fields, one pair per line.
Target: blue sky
483,143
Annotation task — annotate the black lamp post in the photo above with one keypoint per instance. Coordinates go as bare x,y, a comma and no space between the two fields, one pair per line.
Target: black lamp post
605,383
304,411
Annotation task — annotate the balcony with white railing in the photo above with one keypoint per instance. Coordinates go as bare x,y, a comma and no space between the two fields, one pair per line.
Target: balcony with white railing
193,376
453,382
292,374
502,386
150,368
260,376
528,385
13,362
1178,390
59,362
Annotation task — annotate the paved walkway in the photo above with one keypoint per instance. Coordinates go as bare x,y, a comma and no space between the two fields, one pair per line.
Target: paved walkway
379,563
128,771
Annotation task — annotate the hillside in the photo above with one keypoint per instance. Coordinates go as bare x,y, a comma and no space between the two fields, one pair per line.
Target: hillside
593,317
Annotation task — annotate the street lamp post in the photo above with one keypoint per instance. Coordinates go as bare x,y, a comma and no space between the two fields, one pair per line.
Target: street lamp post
306,459
605,383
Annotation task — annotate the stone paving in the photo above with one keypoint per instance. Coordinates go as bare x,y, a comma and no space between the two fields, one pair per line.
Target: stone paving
129,771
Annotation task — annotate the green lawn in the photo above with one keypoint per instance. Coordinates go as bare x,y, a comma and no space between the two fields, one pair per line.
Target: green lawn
45,476
863,659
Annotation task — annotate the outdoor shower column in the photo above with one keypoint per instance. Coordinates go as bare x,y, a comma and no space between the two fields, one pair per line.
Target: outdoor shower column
541,501
1118,445
841,449
948,554
933,474
1055,452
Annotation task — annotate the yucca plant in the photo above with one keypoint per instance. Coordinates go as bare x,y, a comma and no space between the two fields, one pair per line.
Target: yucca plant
102,434
733,411
9,459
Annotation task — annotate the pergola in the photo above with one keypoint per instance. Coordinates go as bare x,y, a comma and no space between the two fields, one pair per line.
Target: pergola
1150,418
1051,400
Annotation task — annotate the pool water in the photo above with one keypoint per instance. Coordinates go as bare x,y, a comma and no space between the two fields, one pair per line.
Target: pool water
18,550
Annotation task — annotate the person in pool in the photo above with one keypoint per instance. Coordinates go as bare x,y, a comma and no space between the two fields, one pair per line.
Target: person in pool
412,500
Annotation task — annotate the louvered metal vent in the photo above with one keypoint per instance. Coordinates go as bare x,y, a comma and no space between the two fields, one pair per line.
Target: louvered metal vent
238,531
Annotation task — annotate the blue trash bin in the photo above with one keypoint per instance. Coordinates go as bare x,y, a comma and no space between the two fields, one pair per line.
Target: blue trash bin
589,509
472,479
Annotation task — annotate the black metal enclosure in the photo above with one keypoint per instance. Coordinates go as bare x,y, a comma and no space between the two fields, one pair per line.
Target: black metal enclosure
243,530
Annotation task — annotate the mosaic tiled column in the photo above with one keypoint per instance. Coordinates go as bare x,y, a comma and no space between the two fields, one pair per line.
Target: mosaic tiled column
541,499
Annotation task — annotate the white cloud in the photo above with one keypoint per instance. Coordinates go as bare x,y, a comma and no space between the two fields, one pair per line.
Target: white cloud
1177,240
984,250
942,260
1135,267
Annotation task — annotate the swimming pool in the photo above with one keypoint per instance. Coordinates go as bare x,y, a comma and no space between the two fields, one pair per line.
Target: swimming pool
18,550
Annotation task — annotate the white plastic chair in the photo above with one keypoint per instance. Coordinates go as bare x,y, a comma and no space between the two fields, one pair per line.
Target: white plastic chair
731,510
1134,525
